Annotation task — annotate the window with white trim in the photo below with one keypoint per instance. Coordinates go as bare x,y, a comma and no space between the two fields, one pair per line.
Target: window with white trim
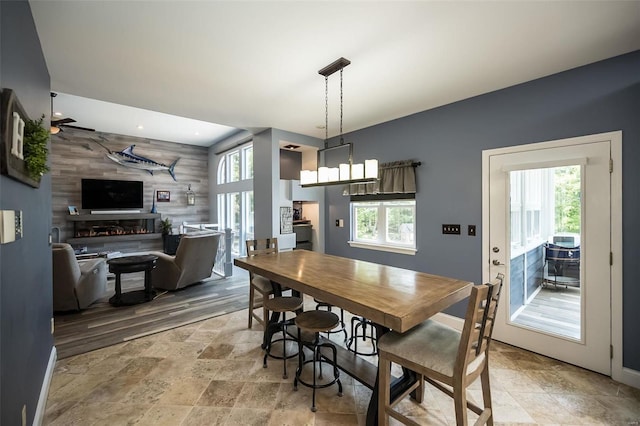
236,165
387,225
247,162
222,171
235,195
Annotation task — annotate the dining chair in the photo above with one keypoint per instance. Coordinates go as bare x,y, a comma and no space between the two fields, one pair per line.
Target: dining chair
447,358
258,283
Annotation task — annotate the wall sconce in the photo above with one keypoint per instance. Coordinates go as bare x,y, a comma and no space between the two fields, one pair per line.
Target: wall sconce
191,197
345,173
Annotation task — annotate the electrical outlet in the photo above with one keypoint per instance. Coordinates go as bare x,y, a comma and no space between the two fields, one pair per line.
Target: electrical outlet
472,230
451,229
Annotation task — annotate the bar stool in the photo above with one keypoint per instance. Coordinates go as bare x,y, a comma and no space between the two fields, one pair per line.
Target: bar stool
280,305
361,323
340,327
316,322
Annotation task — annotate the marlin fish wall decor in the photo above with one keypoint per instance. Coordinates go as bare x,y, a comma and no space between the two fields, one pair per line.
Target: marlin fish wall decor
127,158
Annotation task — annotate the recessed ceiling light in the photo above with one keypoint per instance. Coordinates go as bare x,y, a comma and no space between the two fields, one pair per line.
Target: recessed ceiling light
57,114
291,146
140,126
197,133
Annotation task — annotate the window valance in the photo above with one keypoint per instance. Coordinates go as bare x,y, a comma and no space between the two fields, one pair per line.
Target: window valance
397,177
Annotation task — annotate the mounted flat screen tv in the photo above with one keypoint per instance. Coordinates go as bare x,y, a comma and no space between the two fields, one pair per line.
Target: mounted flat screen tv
104,194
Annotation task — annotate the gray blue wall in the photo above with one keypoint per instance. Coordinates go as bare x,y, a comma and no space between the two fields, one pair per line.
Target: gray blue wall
449,140
25,273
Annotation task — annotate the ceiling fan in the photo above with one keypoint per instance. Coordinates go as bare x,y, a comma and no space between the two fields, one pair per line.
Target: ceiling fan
57,124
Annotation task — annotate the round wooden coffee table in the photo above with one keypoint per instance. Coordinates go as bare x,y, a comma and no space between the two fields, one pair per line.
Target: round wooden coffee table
128,264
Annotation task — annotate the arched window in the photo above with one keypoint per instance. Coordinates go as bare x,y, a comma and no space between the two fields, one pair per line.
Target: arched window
222,170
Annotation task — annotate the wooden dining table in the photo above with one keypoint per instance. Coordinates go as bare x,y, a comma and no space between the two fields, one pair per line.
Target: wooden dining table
392,298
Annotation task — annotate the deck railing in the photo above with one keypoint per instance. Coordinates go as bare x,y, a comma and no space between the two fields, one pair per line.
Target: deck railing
223,265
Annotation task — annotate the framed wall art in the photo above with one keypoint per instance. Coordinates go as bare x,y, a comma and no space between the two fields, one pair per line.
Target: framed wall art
12,133
286,220
163,196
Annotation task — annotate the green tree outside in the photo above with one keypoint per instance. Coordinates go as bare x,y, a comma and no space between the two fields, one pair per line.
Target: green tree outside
367,223
568,199
397,218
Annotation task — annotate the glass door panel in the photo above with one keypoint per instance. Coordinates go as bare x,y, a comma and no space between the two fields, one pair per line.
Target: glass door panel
545,228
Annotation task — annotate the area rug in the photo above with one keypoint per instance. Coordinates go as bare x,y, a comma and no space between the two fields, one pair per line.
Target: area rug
104,325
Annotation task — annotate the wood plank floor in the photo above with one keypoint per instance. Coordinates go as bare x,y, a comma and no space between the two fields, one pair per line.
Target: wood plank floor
103,325
555,311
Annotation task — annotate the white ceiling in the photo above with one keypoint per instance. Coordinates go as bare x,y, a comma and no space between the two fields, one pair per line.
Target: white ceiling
125,120
253,64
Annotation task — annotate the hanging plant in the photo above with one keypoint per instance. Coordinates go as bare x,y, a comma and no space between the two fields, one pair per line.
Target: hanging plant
35,148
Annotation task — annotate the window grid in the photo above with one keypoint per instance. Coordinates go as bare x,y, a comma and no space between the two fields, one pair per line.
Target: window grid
385,223
247,162
235,206
234,166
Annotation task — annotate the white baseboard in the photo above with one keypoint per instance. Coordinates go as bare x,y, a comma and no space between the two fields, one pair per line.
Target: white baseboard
44,390
450,320
629,377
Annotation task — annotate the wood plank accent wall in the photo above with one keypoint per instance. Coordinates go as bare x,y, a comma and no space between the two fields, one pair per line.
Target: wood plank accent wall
76,155
535,269
516,283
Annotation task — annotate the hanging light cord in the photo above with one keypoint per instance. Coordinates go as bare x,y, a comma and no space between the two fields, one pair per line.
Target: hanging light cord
341,138
326,111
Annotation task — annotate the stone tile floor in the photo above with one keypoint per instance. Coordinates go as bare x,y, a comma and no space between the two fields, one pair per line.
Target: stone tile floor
211,373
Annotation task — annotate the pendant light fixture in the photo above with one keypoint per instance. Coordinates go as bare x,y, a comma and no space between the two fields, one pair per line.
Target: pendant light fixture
345,173
191,197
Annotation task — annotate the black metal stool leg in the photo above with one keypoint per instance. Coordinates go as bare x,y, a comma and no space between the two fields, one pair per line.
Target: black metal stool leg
284,345
336,373
318,356
313,396
300,362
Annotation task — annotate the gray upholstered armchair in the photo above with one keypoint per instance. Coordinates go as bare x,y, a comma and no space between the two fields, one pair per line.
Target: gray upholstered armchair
76,285
192,263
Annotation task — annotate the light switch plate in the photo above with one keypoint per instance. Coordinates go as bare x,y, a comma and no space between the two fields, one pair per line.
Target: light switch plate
10,226
451,229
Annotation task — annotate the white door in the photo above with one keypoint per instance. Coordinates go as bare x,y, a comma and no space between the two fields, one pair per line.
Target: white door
503,243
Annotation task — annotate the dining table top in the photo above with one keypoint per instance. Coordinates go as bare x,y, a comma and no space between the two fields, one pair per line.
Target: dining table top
393,297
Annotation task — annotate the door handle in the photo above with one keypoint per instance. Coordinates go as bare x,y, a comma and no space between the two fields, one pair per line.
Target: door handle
496,262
